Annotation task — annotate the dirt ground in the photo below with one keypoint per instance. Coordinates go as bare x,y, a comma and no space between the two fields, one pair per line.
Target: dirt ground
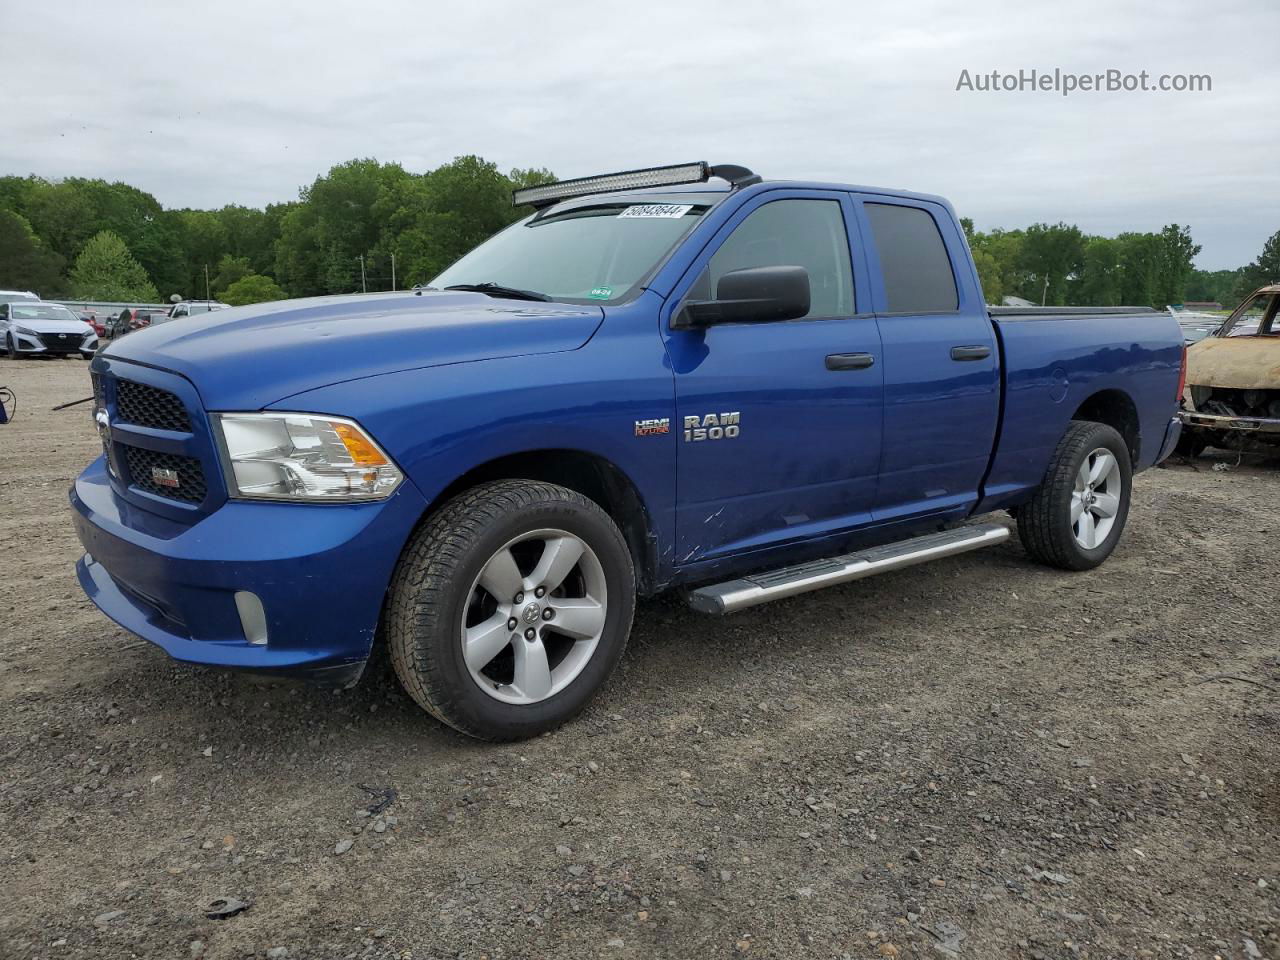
977,758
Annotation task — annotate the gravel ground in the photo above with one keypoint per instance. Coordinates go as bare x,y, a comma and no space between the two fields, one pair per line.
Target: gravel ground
975,758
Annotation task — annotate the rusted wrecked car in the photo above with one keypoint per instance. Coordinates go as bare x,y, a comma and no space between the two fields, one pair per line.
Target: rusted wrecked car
1232,398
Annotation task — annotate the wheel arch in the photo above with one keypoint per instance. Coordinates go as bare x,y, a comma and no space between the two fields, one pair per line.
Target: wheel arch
595,477
1116,409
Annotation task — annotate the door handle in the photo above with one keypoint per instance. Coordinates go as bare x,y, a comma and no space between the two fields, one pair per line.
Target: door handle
978,352
849,361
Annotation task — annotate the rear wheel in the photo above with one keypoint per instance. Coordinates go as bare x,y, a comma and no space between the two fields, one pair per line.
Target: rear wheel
510,607
1078,513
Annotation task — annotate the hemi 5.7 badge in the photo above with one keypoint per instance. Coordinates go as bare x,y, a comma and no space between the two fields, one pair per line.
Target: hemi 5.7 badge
652,428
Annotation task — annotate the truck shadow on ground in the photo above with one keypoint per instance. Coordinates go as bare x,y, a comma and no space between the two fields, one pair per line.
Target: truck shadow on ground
676,661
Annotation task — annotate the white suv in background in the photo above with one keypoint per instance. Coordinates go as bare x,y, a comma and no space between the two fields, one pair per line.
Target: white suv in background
9,296
188,308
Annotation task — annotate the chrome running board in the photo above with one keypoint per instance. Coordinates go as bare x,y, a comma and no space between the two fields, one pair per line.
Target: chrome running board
734,595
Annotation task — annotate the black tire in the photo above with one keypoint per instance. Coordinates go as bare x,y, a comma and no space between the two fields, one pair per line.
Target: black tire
431,592
1045,525
9,349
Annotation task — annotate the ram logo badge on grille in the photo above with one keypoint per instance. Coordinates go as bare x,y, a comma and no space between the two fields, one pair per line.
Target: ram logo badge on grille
164,478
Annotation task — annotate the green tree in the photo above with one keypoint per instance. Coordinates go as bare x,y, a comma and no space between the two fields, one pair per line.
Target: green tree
986,265
988,275
105,270
1264,270
437,218
1052,256
533,176
1005,247
253,288
1215,285
66,213
204,243
25,262
1176,254
62,215
230,269
1099,282
341,217
1139,257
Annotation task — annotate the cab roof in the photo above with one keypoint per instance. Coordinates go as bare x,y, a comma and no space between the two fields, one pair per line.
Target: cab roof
717,190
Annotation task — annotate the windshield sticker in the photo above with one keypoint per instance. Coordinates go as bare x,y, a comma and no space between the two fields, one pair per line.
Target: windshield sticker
668,211
601,293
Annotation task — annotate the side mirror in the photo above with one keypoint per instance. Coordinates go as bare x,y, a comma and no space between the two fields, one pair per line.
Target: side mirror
751,295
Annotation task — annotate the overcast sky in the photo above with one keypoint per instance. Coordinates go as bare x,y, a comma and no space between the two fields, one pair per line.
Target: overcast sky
228,101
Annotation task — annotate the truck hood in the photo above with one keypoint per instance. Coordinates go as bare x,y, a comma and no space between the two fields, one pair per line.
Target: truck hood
1237,363
248,357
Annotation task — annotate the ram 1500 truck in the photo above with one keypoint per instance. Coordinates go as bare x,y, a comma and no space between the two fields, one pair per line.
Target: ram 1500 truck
680,377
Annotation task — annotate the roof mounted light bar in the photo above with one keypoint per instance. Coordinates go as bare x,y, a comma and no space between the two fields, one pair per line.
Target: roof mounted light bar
548,193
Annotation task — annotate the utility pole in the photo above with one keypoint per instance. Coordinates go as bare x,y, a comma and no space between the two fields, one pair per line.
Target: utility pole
1045,292
393,271
363,286
206,282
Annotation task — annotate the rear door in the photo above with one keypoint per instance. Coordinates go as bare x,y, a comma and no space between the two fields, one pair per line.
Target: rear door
778,423
941,363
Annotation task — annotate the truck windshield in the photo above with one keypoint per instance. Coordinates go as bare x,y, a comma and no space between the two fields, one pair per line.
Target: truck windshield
596,252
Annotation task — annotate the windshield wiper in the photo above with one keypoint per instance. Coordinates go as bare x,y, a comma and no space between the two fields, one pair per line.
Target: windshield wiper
498,290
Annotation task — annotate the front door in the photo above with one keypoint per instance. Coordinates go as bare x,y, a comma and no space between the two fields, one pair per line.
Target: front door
778,423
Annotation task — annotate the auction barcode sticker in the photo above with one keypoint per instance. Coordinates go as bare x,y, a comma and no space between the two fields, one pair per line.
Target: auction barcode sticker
661,210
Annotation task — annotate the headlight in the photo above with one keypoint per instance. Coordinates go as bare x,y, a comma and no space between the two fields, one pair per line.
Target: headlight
298,456
19,328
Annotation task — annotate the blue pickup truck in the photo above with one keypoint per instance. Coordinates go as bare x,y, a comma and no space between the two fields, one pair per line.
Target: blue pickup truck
674,378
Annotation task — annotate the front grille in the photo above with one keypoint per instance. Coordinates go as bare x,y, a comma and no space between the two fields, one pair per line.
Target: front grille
62,342
99,396
146,406
190,475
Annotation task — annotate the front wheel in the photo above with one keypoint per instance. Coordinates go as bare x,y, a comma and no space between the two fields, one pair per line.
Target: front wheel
11,351
1078,512
509,608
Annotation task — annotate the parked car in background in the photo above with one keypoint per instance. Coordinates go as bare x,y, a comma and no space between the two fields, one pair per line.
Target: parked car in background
132,318
33,328
1233,379
92,320
189,308
683,377
1195,326
9,296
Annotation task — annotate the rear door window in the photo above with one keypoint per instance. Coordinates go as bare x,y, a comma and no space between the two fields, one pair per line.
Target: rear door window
913,258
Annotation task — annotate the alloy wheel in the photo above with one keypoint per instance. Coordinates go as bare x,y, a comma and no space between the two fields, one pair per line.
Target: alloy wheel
534,616
1095,499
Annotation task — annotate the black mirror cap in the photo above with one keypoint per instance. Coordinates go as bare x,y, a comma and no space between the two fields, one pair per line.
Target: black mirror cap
752,295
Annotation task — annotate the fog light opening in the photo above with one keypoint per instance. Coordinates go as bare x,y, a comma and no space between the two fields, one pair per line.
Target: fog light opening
253,619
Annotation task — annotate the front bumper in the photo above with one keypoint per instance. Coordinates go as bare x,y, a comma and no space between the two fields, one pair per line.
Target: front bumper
1213,421
320,572
54,345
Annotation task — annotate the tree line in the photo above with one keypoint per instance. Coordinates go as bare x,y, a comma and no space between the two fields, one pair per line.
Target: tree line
90,239
1059,265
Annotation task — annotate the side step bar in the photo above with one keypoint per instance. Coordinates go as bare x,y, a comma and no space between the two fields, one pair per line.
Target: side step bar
734,595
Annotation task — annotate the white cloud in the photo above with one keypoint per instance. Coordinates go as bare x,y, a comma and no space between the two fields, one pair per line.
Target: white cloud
244,102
